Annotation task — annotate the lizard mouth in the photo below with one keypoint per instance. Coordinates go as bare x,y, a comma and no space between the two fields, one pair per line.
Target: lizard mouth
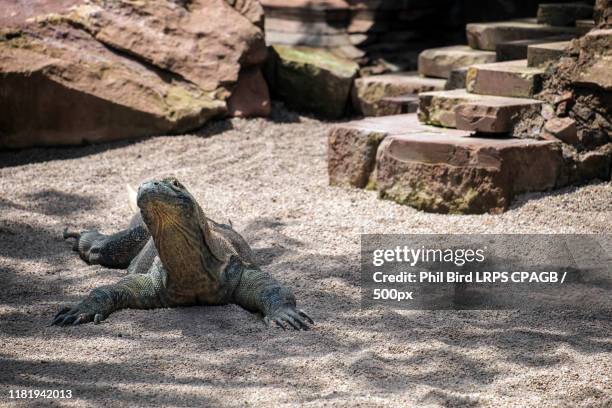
164,201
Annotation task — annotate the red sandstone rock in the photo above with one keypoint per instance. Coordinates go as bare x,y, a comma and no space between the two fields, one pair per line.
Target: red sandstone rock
563,129
439,62
508,78
594,165
563,14
352,146
517,50
448,174
112,70
540,54
368,92
595,61
485,36
396,105
481,113
250,97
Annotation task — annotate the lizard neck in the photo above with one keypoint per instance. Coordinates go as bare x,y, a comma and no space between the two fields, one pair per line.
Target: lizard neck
188,253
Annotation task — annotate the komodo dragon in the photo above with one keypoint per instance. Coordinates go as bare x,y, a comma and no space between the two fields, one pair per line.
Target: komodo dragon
176,256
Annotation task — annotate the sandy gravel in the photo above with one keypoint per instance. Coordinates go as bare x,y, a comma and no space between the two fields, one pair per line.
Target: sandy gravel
269,177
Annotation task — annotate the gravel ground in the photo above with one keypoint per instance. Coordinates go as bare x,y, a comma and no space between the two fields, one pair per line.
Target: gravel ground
269,177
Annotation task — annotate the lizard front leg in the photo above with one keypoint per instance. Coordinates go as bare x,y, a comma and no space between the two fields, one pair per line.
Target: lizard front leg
136,291
257,291
113,251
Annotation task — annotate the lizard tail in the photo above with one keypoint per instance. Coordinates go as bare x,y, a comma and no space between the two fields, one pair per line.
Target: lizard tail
132,198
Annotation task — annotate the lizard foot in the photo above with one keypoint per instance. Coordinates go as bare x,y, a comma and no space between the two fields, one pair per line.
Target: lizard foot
85,244
79,314
289,317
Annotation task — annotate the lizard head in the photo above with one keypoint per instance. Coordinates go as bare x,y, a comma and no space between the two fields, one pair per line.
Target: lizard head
179,228
166,203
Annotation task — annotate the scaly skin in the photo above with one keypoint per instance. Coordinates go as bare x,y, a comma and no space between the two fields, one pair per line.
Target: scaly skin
176,256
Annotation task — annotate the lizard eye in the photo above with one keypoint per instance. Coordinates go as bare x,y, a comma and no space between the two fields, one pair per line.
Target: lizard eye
176,184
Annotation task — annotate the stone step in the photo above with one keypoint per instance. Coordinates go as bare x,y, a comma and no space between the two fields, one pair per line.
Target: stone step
563,14
396,105
298,26
508,78
352,145
306,39
517,50
540,54
456,79
439,62
368,92
468,111
584,26
348,51
466,175
306,10
486,36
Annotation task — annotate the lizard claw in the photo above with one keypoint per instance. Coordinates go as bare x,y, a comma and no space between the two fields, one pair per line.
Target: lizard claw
287,317
70,234
79,314
85,244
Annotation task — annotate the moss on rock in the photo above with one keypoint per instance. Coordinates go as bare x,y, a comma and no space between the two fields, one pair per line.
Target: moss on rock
311,80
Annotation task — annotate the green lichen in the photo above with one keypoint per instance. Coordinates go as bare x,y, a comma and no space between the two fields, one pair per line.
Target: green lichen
464,204
470,78
419,196
50,19
315,59
416,195
374,138
371,186
180,101
21,42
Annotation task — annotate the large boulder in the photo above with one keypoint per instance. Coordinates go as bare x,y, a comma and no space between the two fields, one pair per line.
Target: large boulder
250,96
87,71
311,79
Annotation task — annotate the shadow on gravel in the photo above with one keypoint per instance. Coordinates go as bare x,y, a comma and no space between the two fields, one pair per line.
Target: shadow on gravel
214,127
28,241
98,381
268,230
446,399
280,114
54,202
12,158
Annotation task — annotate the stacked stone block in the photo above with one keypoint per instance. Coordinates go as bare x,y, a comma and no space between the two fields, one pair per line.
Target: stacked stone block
473,149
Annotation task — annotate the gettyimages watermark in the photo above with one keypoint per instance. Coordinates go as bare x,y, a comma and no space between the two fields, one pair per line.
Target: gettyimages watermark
488,271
